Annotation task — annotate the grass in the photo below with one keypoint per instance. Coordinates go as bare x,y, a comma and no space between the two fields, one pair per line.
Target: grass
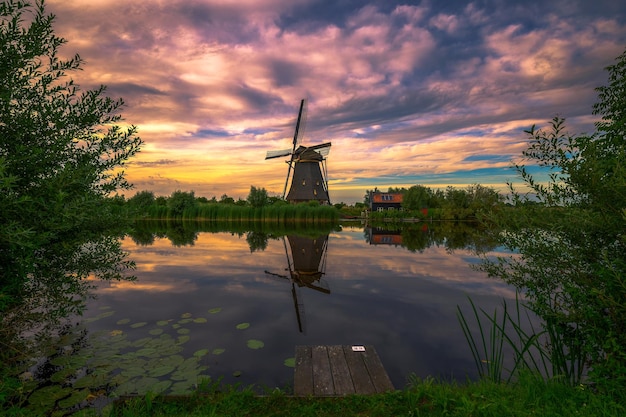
529,396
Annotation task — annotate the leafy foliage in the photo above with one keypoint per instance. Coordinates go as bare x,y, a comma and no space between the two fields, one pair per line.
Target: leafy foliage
572,262
61,148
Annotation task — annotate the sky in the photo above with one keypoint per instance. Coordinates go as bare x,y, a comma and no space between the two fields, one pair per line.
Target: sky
417,92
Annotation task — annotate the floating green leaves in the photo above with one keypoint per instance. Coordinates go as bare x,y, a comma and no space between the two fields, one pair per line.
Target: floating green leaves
200,353
156,332
183,331
162,322
255,344
237,374
199,320
242,326
137,325
218,351
186,315
215,310
123,321
290,362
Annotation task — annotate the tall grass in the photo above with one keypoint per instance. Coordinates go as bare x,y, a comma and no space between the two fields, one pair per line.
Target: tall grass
541,351
282,213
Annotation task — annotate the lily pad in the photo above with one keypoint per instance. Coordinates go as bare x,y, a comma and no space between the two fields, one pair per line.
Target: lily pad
218,351
156,332
137,325
91,381
123,321
76,398
185,315
183,331
184,321
147,352
49,395
162,322
290,362
255,344
141,342
200,353
182,339
237,374
215,310
62,375
183,387
199,320
243,326
161,370
105,314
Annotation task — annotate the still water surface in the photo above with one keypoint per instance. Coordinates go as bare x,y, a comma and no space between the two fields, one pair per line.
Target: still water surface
240,311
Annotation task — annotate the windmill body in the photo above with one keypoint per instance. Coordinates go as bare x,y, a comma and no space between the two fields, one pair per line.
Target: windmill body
308,166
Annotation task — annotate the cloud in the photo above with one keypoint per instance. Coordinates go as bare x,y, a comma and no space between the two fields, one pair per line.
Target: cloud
400,89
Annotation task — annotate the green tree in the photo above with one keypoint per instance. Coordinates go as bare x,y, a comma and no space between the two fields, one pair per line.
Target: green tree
180,201
417,197
61,149
142,200
572,262
258,197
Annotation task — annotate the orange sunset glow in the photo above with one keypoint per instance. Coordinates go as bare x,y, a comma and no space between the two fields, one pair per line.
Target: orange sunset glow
413,92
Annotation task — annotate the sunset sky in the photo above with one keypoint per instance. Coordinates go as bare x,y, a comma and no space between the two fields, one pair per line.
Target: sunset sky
432,92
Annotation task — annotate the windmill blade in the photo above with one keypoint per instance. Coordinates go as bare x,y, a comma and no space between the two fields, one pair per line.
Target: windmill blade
277,153
298,133
301,126
323,149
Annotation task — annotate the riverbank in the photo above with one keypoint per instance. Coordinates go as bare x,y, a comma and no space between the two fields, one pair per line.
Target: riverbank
530,396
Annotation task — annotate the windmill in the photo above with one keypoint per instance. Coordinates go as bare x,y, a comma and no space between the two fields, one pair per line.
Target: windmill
309,179
306,266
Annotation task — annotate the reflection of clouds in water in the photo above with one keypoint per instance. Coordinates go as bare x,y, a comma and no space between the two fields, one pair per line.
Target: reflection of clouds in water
402,302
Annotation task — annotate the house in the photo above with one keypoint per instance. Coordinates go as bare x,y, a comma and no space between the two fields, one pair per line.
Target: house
380,201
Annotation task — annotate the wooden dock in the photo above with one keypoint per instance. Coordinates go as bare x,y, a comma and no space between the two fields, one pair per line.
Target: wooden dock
331,371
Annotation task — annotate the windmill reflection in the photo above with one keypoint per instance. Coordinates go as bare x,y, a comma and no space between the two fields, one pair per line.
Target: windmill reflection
306,267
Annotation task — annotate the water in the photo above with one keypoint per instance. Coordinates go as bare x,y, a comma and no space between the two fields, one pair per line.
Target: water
217,301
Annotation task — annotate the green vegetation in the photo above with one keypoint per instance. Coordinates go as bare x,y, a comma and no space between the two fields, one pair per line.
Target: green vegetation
60,149
424,203
60,156
530,396
257,208
571,265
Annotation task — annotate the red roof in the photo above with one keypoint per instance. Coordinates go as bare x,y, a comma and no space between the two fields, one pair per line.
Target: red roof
387,198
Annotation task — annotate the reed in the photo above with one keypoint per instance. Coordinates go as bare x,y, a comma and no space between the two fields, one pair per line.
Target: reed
529,348
281,213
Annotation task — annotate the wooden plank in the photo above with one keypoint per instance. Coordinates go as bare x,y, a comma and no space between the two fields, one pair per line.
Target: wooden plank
360,376
322,377
303,373
340,372
376,370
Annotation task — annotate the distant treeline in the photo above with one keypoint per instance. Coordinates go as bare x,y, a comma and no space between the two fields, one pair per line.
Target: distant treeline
423,202
182,205
419,202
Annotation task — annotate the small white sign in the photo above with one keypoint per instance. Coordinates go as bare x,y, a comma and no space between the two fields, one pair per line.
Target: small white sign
358,348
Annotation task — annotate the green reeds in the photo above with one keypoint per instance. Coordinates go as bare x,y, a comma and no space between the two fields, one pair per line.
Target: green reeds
528,347
280,213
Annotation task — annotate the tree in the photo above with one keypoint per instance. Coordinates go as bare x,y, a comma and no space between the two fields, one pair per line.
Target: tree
61,150
180,201
417,197
258,197
142,200
572,246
